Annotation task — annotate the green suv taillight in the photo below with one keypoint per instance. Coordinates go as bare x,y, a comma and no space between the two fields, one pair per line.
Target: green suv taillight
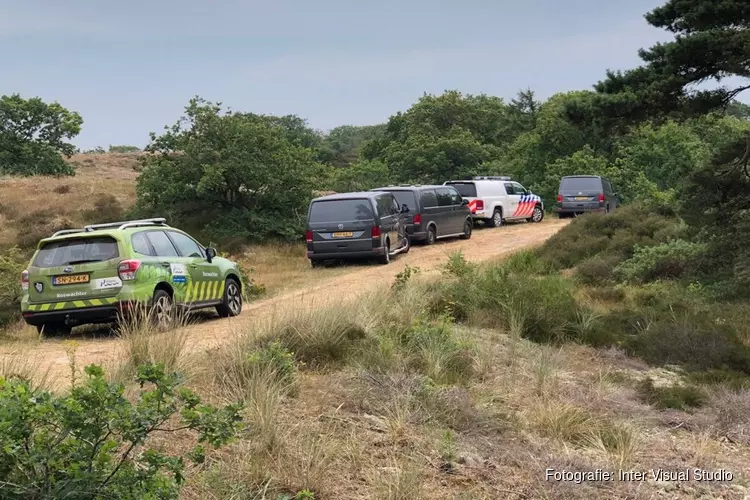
127,269
25,280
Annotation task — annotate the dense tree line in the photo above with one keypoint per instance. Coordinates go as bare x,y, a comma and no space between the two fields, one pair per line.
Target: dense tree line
648,129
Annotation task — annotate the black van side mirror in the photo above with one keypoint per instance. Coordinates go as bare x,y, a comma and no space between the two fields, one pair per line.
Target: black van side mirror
464,201
404,208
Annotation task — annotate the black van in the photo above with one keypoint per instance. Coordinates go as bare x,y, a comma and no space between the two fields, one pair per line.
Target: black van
578,194
355,225
433,212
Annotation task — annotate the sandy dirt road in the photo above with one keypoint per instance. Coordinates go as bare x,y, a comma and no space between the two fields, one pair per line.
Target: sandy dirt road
485,244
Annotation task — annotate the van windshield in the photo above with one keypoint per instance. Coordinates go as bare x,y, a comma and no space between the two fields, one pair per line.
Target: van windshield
405,198
465,189
341,210
76,251
581,184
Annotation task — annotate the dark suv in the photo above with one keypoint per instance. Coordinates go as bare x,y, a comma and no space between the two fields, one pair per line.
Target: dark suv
433,212
585,193
355,225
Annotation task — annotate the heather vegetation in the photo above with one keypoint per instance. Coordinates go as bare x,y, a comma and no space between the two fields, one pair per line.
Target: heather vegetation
622,340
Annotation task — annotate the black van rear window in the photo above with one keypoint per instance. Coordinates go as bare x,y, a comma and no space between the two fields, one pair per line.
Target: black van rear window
77,251
581,184
405,198
341,210
465,189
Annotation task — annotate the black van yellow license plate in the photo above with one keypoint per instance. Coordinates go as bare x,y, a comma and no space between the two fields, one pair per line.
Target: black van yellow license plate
582,198
342,234
70,280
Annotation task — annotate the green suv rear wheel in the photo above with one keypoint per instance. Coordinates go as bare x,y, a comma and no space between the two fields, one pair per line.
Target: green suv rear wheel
54,329
231,303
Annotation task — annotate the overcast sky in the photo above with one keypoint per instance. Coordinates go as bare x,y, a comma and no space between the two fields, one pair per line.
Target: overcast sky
130,67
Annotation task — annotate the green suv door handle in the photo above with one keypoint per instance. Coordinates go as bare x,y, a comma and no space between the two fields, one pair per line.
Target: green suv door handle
165,264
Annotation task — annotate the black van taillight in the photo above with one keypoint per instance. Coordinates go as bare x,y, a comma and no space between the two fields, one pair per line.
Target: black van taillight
601,198
559,198
309,236
418,219
375,232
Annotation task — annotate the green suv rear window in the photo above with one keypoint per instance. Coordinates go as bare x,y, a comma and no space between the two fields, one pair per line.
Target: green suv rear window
77,251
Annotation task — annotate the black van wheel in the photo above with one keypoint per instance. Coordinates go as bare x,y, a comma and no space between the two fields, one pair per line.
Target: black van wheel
497,219
54,329
231,303
537,215
316,263
386,258
468,226
407,244
431,236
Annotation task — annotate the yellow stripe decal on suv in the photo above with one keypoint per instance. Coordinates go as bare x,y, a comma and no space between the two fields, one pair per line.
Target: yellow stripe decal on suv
57,306
221,290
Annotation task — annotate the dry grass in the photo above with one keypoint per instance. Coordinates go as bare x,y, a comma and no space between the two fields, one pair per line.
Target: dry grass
20,364
66,200
143,341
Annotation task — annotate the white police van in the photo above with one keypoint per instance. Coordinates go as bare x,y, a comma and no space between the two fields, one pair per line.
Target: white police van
495,199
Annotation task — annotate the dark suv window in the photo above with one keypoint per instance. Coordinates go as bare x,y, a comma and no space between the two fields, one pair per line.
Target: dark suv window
341,210
582,184
77,251
161,244
465,189
428,198
185,245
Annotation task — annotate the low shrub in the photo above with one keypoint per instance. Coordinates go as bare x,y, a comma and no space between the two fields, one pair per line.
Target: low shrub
107,208
678,397
597,269
38,225
665,261
93,442
694,340
612,235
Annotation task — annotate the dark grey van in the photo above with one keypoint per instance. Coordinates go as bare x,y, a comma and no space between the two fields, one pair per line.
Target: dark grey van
585,193
355,225
433,212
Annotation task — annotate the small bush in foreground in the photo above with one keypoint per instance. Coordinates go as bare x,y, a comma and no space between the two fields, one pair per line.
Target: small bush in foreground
12,262
91,443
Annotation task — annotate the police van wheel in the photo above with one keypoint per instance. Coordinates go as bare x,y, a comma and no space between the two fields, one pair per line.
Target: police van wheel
537,215
54,329
231,303
468,226
431,236
496,220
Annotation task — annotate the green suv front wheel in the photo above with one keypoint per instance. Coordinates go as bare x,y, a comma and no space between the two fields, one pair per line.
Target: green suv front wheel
231,303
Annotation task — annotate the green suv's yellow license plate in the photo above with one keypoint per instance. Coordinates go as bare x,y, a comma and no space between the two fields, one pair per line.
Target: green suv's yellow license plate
345,234
70,280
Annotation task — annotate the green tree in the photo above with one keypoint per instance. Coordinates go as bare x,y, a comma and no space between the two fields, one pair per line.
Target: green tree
93,442
33,136
230,174
441,137
346,141
360,176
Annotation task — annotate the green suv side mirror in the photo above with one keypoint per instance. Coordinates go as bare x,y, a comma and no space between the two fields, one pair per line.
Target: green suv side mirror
210,253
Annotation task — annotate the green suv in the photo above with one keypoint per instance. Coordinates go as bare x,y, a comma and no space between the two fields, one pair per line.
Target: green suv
101,272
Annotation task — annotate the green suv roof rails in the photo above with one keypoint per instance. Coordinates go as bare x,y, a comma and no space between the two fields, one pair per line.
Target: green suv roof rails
158,221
